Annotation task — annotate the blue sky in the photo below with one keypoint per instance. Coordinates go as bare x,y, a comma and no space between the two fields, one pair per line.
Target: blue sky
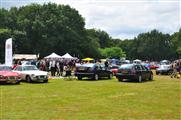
121,18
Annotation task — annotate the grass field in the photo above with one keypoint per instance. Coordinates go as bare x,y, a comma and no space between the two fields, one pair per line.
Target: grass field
92,100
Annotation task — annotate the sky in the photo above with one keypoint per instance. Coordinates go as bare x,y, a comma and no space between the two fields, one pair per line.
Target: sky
123,19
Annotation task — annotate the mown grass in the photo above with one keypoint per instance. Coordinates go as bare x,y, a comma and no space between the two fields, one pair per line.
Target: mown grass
92,100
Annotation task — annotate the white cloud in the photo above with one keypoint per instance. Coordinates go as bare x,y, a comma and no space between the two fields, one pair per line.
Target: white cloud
126,19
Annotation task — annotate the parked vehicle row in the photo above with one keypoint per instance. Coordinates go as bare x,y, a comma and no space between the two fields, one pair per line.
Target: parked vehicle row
127,71
29,73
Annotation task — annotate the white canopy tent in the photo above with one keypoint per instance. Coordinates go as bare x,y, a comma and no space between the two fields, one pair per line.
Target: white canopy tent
25,56
67,56
137,61
53,55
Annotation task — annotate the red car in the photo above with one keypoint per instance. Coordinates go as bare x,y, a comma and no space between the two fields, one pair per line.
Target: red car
154,66
7,76
114,69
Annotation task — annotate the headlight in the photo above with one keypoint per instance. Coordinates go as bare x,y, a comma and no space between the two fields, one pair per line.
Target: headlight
33,75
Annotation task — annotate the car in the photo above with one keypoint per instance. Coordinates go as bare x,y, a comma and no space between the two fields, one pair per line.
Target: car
134,72
154,66
31,73
7,76
114,61
92,70
114,69
164,69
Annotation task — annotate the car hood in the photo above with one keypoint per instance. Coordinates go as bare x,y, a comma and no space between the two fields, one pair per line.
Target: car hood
8,73
35,72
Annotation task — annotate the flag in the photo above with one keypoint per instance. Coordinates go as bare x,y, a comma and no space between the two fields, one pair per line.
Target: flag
8,52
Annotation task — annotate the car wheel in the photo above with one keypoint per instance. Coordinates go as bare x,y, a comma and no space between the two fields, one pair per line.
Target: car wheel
151,77
28,79
170,72
140,78
110,76
79,78
120,80
45,81
96,77
17,82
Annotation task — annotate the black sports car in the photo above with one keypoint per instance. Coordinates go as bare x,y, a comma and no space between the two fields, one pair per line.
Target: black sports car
91,70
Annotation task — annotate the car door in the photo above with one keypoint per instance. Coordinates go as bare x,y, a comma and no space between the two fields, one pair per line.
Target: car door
101,71
104,71
98,70
138,70
144,72
147,72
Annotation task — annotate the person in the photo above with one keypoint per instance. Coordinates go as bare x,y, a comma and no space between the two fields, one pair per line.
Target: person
174,67
52,67
106,63
61,68
42,66
67,71
58,68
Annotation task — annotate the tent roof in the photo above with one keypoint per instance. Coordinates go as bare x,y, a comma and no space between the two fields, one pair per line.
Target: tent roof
25,56
53,55
137,60
67,55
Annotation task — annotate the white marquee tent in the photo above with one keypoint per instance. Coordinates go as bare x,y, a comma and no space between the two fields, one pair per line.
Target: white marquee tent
67,56
25,56
53,55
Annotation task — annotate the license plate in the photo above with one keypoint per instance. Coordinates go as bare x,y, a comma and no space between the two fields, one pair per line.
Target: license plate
11,78
81,68
124,71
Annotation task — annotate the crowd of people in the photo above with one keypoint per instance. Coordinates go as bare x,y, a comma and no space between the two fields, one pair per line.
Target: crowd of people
56,67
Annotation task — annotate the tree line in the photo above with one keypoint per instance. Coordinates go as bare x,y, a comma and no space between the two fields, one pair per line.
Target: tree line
47,28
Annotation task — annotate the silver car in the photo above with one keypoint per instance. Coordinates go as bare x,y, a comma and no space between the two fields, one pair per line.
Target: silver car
31,73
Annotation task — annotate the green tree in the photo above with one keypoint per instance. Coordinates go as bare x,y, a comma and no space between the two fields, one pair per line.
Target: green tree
113,52
176,43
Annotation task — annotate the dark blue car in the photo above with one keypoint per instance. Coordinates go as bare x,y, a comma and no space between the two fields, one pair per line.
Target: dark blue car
93,71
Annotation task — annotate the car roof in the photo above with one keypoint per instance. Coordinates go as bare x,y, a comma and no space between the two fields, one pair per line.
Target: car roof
26,65
5,65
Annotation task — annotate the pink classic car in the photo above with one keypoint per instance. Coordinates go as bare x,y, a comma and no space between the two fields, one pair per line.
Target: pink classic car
7,76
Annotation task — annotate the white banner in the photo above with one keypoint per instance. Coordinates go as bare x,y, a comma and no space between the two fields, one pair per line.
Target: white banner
8,52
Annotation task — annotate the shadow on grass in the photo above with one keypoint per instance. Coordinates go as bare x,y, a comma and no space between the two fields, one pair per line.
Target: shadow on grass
34,82
8,84
136,81
90,79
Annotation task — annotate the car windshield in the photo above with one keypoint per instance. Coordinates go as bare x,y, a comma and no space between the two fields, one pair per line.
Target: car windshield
126,66
7,68
26,68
